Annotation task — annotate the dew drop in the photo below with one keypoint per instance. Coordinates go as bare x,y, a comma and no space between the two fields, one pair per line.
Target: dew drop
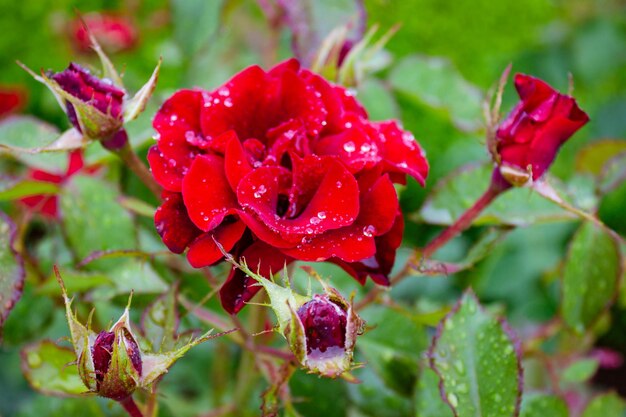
369,230
349,147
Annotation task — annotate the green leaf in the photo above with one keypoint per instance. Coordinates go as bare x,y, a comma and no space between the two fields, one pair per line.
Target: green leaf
395,359
26,139
16,189
132,275
93,219
437,83
613,174
590,276
75,282
11,268
195,22
373,398
580,371
454,194
477,361
317,396
593,157
542,405
51,369
160,320
428,401
605,405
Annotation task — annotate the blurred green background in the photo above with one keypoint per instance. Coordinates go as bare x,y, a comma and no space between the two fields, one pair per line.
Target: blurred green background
438,65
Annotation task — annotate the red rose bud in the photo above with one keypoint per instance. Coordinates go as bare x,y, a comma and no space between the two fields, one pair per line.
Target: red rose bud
93,105
114,32
323,333
97,107
277,166
117,365
528,140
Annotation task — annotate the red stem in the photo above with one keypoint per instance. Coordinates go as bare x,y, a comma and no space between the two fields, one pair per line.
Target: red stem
462,222
131,407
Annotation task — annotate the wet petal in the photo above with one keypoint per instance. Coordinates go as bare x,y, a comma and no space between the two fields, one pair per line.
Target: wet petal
204,252
173,224
207,193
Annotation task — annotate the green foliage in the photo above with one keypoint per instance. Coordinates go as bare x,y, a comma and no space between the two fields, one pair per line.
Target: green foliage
52,369
478,363
590,276
540,405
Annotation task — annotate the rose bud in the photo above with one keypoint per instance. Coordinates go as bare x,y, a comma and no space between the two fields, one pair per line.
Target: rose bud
321,330
93,105
322,334
110,363
97,107
115,368
527,141
116,33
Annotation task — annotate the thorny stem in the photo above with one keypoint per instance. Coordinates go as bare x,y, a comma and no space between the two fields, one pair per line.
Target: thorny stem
131,407
133,162
450,232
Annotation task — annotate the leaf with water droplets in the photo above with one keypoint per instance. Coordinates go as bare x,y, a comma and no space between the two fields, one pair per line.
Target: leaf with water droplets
93,220
605,405
11,268
542,405
51,369
478,362
590,276
428,401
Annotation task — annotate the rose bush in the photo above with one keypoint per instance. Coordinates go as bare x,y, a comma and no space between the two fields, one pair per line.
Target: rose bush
279,166
530,137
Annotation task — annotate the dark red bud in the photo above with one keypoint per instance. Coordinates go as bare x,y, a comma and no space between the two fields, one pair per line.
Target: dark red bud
101,94
324,324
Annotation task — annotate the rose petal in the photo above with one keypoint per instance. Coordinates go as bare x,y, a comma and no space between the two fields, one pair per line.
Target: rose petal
353,146
379,205
207,193
348,243
204,252
173,224
178,125
331,191
378,266
166,171
239,288
399,150
253,102
236,163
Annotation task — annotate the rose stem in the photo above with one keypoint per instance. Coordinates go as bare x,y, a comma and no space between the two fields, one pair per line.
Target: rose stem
131,407
450,232
131,159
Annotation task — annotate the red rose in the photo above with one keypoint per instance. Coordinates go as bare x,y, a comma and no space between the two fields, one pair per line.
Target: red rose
278,166
542,121
114,32
47,205
12,99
